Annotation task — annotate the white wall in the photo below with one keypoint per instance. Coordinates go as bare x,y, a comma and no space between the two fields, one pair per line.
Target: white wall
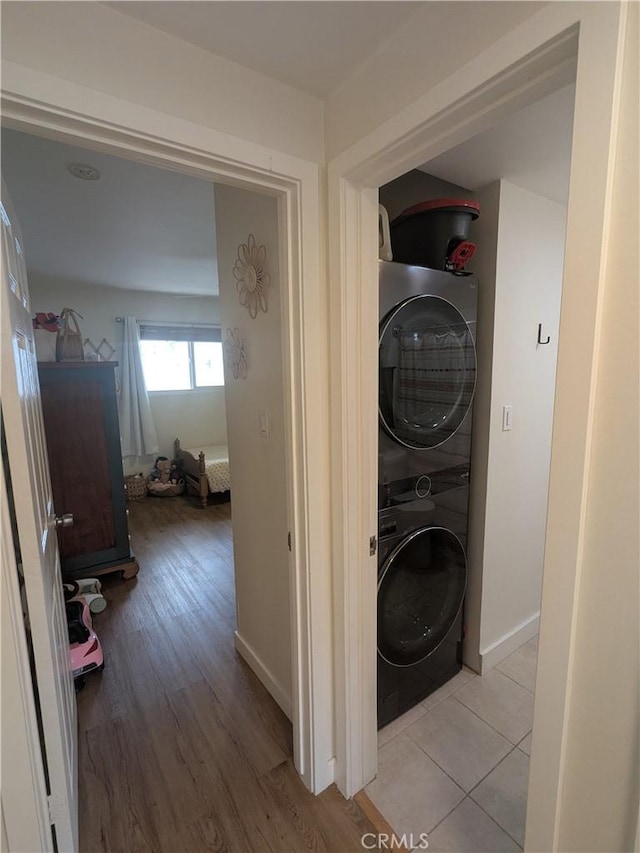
485,235
601,785
511,469
258,477
104,50
429,46
196,417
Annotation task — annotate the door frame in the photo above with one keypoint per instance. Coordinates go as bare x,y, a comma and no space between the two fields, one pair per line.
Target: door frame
562,42
31,103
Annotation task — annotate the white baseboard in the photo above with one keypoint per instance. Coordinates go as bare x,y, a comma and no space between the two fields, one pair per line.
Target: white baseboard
264,674
503,647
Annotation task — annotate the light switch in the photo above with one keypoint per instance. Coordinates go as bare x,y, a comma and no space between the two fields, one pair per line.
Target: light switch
264,423
507,418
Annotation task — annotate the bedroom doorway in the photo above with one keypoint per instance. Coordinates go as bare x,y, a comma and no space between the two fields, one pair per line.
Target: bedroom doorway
273,742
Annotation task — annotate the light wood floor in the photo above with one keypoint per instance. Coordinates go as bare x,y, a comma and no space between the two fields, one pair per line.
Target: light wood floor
181,748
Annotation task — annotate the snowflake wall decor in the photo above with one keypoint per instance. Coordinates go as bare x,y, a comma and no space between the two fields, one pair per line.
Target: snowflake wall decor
252,282
235,354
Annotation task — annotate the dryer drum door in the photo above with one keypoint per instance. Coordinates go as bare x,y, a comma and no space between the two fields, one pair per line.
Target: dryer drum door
421,588
427,371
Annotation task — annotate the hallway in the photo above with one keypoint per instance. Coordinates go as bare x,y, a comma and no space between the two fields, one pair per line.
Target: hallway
181,748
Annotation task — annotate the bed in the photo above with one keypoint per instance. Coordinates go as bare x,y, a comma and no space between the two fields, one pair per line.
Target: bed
206,469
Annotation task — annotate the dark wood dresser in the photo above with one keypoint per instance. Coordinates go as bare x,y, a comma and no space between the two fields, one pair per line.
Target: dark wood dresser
80,413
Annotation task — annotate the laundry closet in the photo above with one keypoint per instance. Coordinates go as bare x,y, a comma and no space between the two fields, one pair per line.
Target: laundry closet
469,297
427,370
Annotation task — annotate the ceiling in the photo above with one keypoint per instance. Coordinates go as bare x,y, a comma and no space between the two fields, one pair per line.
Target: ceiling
138,227
144,228
532,148
310,45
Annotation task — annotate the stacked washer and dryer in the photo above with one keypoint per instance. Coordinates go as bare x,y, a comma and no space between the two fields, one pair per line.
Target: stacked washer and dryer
427,375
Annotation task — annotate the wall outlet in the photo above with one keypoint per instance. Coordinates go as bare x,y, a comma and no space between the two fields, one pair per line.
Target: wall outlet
507,418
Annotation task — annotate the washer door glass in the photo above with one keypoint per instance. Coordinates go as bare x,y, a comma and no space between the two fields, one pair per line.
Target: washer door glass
427,367
420,592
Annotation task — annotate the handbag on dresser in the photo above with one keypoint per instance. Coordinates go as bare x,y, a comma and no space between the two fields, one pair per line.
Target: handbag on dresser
69,341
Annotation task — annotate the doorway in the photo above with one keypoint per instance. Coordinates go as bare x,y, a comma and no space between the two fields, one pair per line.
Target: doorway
303,403
467,734
418,135
104,240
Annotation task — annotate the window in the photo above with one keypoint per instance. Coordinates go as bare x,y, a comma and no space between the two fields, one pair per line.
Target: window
181,358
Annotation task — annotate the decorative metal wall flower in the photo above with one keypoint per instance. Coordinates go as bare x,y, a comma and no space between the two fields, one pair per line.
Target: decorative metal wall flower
252,282
235,354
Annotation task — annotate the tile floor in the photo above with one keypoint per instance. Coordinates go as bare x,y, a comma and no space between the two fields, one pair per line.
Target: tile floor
457,765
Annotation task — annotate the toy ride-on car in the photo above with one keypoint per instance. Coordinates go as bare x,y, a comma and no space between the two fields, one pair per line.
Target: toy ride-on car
85,651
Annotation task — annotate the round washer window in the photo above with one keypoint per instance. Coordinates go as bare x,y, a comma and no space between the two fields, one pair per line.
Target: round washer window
420,593
427,371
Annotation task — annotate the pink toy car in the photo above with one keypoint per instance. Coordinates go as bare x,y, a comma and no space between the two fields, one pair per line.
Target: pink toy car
85,651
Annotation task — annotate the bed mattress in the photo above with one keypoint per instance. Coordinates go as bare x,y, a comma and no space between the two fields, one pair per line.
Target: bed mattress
216,466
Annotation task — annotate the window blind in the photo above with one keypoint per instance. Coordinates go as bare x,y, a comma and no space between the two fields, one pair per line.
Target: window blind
162,332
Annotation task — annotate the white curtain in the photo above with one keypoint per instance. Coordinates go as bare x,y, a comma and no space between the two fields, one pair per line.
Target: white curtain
139,437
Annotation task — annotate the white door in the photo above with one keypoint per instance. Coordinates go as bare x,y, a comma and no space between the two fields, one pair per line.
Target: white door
28,465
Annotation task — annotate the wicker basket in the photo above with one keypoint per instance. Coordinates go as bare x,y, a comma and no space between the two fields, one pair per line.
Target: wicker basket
136,486
167,491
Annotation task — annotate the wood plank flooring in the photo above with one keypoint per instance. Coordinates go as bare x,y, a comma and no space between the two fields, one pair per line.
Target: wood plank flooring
181,748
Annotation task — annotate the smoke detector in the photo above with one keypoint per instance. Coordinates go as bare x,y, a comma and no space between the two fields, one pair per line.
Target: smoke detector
83,171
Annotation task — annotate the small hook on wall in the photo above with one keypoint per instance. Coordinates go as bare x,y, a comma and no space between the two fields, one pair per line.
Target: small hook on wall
540,341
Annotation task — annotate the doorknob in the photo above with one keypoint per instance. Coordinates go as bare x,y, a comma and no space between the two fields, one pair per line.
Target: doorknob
65,520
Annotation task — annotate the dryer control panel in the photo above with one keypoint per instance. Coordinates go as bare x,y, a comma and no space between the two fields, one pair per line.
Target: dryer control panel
422,486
